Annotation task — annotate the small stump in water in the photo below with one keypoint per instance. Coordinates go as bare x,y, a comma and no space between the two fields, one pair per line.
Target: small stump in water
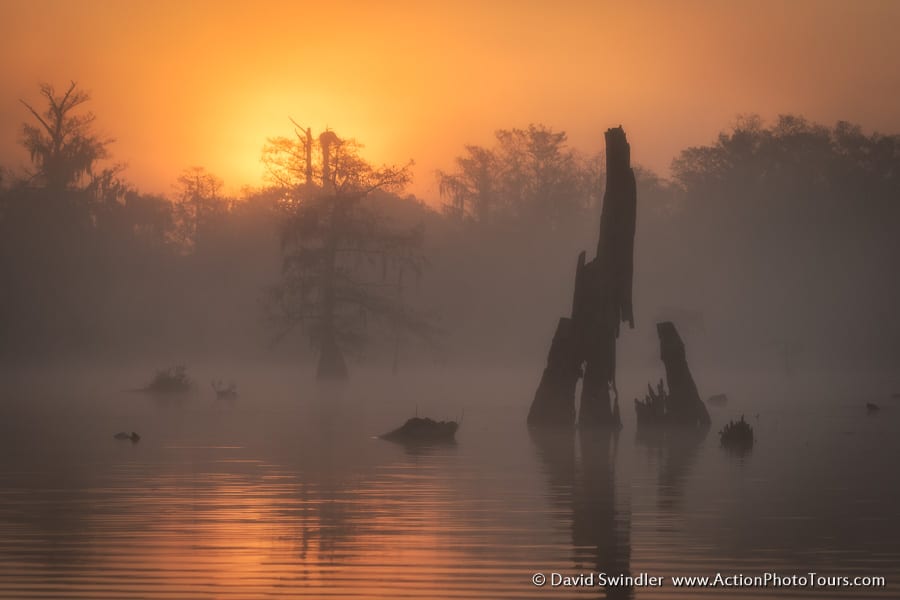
134,437
173,380
419,430
737,436
224,392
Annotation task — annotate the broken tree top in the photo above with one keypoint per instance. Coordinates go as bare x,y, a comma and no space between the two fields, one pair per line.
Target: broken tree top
617,223
586,341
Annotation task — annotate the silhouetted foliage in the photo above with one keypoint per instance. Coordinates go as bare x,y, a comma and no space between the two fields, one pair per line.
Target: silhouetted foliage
794,175
62,145
775,234
529,175
343,261
91,264
808,210
198,204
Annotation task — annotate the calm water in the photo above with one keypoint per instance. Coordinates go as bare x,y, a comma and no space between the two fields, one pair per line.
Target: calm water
286,493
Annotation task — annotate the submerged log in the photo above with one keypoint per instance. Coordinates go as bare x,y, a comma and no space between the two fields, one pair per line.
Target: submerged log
423,430
681,404
602,299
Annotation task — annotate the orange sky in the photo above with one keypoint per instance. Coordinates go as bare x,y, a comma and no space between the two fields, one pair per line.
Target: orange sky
195,83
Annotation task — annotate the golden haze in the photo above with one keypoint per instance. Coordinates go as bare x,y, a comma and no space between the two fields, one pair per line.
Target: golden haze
180,84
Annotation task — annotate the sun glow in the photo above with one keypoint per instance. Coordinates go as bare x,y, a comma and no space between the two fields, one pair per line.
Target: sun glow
206,83
255,117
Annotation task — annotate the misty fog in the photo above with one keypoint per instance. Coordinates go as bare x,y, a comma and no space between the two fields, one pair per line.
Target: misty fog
195,385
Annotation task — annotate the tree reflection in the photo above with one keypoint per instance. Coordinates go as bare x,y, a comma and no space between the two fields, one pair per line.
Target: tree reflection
583,484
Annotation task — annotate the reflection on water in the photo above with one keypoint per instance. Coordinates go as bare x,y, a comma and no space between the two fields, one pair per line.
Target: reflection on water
287,493
674,451
586,486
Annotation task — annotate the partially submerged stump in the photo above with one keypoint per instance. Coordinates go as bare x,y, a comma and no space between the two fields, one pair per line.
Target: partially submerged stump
423,430
173,380
133,437
554,401
685,405
602,299
737,436
653,409
681,404
224,392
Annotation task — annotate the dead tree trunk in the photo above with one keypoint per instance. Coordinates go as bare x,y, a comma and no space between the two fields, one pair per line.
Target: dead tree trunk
554,401
602,299
331,360
685,406
681,406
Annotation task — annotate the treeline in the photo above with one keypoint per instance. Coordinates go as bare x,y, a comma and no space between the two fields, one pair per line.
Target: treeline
775,246
774,236
797,226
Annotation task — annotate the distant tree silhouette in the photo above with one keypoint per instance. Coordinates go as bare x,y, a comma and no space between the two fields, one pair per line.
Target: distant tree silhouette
473,189
343,262
62,144
795,175
289,161
794,221
198,203
529,175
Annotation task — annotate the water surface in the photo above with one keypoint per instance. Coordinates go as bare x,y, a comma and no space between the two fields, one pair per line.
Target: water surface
287,492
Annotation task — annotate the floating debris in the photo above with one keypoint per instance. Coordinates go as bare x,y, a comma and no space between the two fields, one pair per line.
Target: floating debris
134,437
417,430
872,407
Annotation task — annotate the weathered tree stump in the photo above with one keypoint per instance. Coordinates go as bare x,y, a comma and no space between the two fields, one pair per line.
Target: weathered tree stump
685,405
602,299
681,404
554,401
